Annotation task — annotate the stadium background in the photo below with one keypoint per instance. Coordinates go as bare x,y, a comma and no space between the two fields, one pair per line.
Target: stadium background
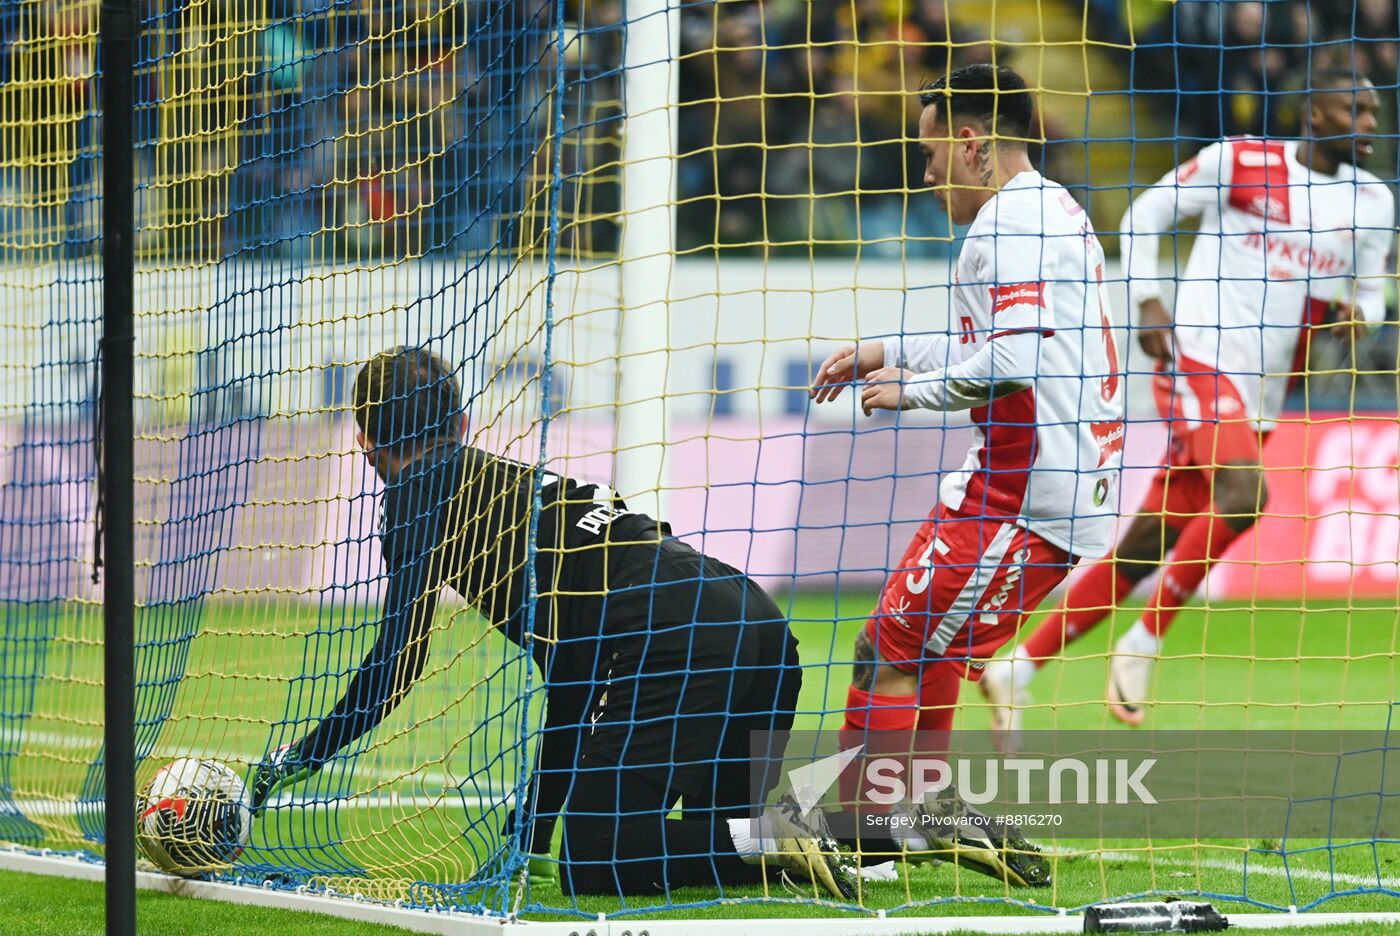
798,218
320,180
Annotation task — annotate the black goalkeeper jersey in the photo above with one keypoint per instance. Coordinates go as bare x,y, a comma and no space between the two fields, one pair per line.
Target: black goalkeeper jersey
460,517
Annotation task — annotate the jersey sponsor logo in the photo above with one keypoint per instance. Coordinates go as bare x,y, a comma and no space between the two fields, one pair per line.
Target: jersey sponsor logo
1267,206
1014,294
1109,438
1187,170
1308,258
1253,157
1260,183
1068,203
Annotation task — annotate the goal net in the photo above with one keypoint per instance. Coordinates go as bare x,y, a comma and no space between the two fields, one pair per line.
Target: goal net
631,232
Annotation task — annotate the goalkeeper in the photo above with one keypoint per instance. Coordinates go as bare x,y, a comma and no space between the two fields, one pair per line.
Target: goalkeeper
657,661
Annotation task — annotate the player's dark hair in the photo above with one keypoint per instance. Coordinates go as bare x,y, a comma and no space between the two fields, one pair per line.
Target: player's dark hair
407,399
992,95
1334,78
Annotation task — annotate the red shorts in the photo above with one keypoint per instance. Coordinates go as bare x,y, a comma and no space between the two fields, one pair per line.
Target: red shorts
963,588
1208,426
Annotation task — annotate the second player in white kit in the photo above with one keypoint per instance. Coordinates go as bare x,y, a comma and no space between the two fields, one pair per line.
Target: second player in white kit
1279,245
1293,235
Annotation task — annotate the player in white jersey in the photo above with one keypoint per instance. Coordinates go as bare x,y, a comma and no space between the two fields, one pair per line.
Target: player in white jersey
1031,354
1293,235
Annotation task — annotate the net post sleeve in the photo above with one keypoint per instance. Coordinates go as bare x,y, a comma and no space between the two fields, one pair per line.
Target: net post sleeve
651,92
116,45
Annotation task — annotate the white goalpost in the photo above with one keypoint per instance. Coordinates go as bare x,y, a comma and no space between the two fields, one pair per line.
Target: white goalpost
647,251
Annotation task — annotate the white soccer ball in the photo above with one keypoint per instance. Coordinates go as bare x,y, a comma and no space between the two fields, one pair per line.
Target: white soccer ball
194,817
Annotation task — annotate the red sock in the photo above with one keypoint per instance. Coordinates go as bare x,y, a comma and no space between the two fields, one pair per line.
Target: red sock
1091,598
866,711
1204,540
938,699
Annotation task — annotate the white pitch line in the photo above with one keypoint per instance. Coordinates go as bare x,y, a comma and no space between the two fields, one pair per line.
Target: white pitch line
381,801
51,739
1220,864
38,807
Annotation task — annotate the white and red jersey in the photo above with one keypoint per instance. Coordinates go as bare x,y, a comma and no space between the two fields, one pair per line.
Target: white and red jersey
1278,243
1033,357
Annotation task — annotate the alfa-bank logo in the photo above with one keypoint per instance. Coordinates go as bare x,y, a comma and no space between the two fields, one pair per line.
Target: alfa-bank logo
886,780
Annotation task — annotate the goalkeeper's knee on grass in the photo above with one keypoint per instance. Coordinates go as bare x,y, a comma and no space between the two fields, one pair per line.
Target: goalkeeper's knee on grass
612,855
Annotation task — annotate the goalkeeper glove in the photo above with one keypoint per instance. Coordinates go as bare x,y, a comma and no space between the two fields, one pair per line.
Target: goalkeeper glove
540,867
542,870
283,767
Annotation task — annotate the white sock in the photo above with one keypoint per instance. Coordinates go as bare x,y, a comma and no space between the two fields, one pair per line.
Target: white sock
750,846
1139,640
1023,668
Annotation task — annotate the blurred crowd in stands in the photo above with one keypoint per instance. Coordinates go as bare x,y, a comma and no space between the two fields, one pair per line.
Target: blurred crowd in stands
797,122
351,128
343,131
793,102
1236,66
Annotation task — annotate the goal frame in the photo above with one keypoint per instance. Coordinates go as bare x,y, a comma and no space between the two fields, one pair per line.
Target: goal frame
647,257
459,923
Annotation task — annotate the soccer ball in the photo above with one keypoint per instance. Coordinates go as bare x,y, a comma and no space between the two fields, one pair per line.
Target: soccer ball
194,817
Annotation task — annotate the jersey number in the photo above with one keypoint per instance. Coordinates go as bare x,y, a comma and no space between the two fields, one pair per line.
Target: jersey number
915,583
1108,389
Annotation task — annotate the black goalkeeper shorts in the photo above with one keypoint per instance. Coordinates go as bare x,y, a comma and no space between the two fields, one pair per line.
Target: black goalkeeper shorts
712,661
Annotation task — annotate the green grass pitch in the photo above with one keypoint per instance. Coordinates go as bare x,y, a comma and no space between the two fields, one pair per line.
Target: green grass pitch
1230,666
43,906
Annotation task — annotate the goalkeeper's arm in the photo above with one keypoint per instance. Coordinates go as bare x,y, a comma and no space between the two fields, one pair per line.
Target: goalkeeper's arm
556,758
388,671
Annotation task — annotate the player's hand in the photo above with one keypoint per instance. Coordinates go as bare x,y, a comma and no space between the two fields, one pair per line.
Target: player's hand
844,366
282,768
884,389
1155,329
1347,325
